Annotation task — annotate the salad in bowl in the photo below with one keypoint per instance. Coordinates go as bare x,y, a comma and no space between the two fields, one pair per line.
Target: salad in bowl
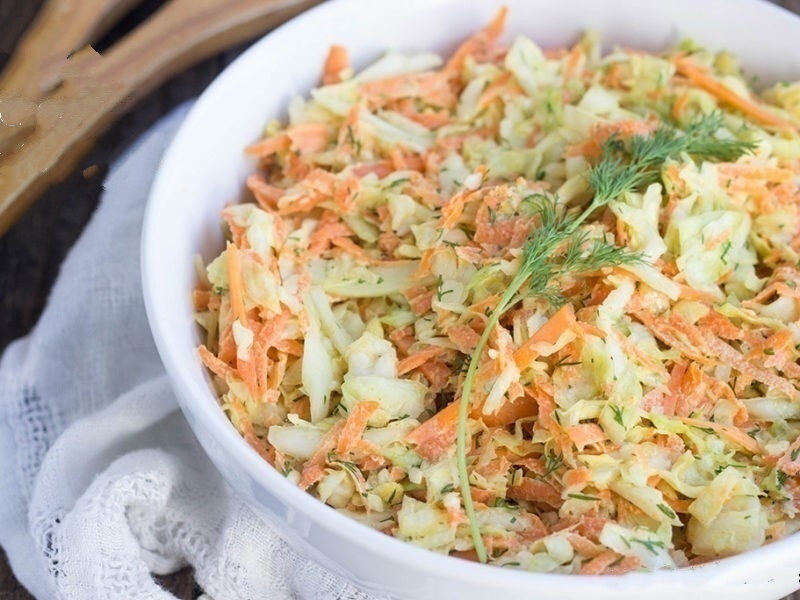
529,306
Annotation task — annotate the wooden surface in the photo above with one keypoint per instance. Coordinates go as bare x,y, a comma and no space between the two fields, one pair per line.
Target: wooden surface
32,250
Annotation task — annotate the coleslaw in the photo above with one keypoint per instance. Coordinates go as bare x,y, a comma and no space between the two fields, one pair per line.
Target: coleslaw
534,307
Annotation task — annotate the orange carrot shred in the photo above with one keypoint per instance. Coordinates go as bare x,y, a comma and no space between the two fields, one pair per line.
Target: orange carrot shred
355,425
235,282
701,78
418,359
338,60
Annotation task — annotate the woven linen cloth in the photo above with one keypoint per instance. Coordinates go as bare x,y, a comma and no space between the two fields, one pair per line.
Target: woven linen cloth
101,480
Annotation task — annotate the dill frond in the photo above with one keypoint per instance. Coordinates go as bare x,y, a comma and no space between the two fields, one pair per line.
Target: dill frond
598,256
555,249
651,151
612,176
558,248
703,144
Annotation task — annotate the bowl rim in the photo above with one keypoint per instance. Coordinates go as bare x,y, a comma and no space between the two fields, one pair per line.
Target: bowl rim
190,389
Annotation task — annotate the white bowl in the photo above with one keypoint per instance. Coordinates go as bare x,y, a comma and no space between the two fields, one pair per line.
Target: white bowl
205,168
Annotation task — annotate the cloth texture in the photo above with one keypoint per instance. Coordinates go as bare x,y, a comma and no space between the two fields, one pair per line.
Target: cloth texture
101,480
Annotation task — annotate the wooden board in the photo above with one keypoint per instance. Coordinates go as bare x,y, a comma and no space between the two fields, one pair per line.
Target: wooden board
32,250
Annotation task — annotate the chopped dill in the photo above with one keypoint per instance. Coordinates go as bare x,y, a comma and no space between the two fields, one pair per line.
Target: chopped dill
397,182
583,497
563,362
726,248
651,545
551,463
439,292
618,414
666,510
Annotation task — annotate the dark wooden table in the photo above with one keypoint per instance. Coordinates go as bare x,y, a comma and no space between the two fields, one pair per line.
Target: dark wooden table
31,252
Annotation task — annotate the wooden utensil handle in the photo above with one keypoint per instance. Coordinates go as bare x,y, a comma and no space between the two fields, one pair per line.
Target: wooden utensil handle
96,89
61,28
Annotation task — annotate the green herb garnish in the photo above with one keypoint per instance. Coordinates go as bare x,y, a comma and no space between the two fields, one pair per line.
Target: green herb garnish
557,247
666,510
781,478
397,182
563,362
725,249
439,292
707,430
618,414
651,545
583,497
551,463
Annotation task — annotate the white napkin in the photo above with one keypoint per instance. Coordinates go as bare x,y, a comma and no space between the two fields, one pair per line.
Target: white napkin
101,480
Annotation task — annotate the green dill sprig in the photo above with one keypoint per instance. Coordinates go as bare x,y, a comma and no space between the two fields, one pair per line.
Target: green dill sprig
613,175
557,247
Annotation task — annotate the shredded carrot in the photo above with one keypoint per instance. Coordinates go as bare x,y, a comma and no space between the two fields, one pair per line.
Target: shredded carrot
626,565
432,88
421,301
418,359
549,333
599,563
338,60
701,78
436,435
478,43
624,129
679,106
309,138
245,426
313,469
733,434
733,358
464,337
535,490
750,171
269,146
585,434
437,373
574,58
355,425
509,412
215,365
320,240
266,195
235,282
353,249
